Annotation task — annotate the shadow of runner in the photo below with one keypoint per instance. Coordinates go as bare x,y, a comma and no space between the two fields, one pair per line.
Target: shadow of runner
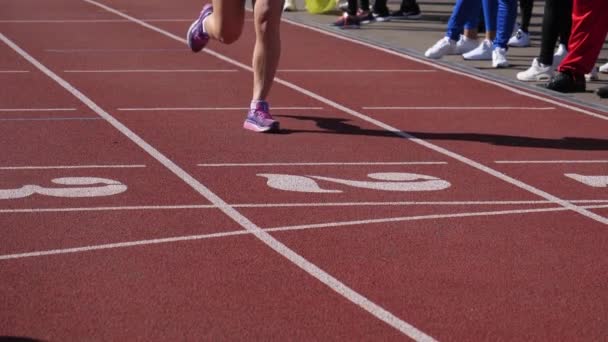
341,126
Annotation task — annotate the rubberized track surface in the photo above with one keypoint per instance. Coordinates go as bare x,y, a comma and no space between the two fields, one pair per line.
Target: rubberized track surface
392,204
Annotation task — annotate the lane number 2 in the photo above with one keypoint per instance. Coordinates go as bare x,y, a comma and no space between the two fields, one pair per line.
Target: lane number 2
383,181
79,187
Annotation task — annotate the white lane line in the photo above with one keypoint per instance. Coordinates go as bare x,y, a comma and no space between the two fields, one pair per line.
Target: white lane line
298,260
360,70
34,167
280,229
527,93
551,161
322,164
11,110
86,21
124,208
113,50
292,205
407,136
13,71
52,119
147,71
154,109
460,108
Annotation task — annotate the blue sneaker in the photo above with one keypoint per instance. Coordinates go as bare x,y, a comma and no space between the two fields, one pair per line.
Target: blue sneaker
196,37
259,119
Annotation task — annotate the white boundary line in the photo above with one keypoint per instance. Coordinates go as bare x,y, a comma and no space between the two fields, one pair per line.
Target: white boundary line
441,67
37,109
460,108
291,205
280,229
551,161
147,71
93,50
14,71
322,164
312,269
359,70
70,167
208,108
409,137
84,118
85,21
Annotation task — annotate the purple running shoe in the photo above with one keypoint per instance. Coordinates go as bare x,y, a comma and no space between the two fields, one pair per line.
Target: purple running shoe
259,119
196,37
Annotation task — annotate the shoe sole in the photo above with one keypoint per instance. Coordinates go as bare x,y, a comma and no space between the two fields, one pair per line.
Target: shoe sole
258,129
543,78
189,35
476,58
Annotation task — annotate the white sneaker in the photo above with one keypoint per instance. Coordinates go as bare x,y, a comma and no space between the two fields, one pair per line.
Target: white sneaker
499,58
443,47
561,52
604,68
481,53
593,75
290,6
520,39
536,73
464,45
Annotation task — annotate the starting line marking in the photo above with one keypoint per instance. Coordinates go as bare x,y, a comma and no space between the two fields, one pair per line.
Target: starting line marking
278,229
292,205
70,167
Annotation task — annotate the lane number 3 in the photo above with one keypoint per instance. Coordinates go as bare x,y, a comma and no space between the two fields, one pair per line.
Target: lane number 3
78,187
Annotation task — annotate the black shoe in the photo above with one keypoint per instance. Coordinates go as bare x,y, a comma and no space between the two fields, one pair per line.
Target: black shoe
365,17
381,13
602,92
566,82
347,22
407,13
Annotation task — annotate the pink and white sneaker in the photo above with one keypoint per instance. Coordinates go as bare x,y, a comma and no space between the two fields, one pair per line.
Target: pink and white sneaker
197,38
259,119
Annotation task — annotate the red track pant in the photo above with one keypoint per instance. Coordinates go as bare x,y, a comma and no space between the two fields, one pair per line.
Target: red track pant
589,29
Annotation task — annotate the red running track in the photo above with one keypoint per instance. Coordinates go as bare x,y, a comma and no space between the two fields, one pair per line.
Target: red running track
197,232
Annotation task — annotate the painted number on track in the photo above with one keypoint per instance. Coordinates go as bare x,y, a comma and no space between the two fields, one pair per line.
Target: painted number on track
81,187
593,181
384,181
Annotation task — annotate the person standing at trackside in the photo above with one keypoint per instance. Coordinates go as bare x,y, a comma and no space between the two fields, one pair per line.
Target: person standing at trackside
408,9
223,21
589,29
557,21
461,33
521,38
499,17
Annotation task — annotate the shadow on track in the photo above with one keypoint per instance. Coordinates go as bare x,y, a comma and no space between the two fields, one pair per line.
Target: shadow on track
341,126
